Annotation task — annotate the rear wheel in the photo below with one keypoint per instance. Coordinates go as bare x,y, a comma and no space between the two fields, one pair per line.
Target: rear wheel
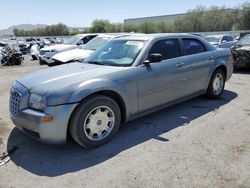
95,121
216,84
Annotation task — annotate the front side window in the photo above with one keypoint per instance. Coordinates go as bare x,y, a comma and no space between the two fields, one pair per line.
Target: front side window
117,53
71,40
86,39
168,48
193,46
213,39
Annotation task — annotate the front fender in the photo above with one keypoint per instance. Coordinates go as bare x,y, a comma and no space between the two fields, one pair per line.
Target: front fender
89,87
127,92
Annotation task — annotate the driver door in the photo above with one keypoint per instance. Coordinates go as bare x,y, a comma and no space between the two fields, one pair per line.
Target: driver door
162,82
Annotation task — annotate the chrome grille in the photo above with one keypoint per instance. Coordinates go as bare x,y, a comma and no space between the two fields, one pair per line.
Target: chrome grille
42,52
14,103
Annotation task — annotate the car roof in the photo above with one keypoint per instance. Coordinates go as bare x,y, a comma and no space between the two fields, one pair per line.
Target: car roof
217,36
157,36
86,34
117,35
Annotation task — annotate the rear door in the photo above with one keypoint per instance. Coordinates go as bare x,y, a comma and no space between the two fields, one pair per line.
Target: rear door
161,82
197,63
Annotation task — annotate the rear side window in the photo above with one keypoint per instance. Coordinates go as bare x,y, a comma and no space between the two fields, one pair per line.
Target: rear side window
168,48
193,46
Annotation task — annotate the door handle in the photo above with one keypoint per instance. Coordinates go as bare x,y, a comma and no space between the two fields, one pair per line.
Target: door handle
211,58
179,65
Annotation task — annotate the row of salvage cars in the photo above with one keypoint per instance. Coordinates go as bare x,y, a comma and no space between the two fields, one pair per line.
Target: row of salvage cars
240,48
13,49
78,47
127,77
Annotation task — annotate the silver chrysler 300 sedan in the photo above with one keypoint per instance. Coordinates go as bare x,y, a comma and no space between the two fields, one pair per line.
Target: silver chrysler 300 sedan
125,79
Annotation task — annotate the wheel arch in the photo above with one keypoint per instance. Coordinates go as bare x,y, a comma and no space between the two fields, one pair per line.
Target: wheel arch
109,93
223,68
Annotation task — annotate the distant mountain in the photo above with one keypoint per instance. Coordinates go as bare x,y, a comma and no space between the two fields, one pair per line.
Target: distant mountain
9,31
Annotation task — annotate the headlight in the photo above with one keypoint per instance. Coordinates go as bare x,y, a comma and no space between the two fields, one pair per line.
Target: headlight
37,102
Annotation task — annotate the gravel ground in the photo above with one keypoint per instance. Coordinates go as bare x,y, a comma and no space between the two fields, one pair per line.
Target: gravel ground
198,143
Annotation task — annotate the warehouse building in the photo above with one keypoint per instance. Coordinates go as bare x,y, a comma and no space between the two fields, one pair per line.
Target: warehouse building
168,19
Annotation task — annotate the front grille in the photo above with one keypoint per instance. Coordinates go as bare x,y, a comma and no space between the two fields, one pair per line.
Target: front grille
14,103
42,52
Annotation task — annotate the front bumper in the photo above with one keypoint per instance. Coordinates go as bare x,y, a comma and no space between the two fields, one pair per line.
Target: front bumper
54,132
46,60
30,121
242,62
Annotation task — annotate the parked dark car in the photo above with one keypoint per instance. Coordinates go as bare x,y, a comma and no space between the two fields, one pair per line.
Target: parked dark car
241,53
24,48
127,78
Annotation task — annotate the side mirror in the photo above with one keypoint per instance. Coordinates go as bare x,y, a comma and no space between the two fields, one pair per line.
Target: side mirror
153,58
79,43
224,41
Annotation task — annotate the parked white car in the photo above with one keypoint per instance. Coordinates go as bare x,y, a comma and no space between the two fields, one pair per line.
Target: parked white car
85,50
220,41
45,56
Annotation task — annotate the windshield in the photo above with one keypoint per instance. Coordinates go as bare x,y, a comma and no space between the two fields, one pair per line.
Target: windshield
71,40
117,53
213,39
95,43
245,40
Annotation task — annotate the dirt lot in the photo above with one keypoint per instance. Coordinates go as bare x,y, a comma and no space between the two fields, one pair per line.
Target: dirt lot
199,143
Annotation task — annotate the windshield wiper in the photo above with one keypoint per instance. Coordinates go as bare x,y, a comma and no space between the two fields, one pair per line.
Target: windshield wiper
96,62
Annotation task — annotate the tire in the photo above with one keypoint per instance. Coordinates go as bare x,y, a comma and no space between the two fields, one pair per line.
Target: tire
216,84
34,57
95,121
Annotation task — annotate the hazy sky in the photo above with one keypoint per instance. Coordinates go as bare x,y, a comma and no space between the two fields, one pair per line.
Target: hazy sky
83,12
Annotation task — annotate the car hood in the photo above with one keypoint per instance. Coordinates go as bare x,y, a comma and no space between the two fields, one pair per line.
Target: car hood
58,47
71,55
245,48
50,80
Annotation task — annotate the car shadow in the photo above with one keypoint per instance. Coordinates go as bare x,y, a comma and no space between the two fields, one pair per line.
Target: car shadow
50,160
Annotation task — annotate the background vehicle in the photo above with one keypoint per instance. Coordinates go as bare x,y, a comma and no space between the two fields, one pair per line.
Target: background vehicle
84,50
35,51
126,78
11,56
26,43
46,53
221,41
241,52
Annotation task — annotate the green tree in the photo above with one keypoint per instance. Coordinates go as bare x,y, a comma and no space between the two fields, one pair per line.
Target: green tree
130,28
244,18
202,19
52,30
100,26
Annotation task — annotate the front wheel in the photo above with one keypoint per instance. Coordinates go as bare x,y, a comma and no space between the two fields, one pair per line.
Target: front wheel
95,121
216,84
